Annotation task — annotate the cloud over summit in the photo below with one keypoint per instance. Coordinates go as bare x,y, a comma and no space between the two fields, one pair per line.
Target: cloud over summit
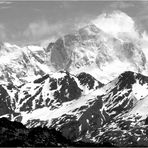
116,23
40,29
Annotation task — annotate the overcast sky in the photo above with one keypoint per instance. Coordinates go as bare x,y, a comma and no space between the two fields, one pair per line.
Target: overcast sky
39,21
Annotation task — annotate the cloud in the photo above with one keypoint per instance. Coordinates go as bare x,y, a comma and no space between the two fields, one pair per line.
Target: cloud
2,32
121,5
44,43
5,2
5,7
64,5
125,28
43,32
41,29
117,23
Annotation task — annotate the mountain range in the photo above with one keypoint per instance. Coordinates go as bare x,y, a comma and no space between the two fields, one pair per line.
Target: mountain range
88,85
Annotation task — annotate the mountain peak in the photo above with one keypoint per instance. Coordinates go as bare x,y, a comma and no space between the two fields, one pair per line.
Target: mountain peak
90,28
89,31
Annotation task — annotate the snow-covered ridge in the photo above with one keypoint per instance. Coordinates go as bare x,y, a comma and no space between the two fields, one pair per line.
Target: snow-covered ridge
50,90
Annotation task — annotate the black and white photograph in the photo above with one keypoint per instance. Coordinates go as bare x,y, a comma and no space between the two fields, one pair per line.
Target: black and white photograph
73,73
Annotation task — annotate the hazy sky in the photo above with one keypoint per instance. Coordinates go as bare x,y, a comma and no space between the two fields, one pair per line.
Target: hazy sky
26,22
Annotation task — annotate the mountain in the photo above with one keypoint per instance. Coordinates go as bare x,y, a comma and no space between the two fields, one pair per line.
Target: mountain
79,106
92,50
48,91
126,104
17,135
88,86
89,49
22,64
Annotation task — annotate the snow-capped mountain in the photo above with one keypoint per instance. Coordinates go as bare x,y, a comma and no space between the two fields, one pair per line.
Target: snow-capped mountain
22,64
48,91
92,50
77,105
89,85
89,50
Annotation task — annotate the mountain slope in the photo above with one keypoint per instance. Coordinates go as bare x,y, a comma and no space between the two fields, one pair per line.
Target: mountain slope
17,135
22,64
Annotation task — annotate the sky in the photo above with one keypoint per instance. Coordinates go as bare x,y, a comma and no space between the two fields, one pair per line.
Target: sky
39,22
